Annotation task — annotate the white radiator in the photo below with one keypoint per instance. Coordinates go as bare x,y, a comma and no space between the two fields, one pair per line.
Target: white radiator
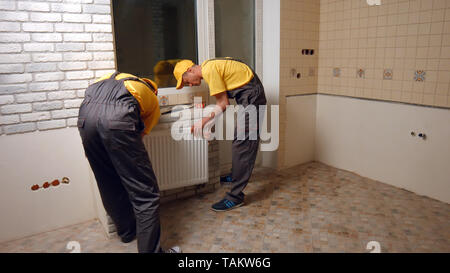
177,163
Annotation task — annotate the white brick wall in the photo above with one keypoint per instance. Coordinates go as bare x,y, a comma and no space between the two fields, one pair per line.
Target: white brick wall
49,53
50,50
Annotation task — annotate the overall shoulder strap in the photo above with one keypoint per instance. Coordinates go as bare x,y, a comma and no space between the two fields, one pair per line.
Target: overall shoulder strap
139,80
225,58
113,76
229,59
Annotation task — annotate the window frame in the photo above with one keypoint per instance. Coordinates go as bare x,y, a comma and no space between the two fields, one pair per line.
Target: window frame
203,52
206,43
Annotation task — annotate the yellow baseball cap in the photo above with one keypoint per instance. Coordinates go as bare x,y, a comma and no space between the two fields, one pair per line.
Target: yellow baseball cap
180,68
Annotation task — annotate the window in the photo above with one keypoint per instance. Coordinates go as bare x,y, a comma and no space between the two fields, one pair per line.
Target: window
152,35
234,22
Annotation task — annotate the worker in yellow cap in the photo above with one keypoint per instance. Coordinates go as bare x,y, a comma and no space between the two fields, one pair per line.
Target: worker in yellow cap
117,111
229,78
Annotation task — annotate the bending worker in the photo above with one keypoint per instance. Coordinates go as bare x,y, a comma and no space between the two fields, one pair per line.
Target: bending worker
229,78
117,111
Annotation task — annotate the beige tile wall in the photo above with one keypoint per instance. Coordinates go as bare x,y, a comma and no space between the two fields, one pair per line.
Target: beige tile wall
299,30
402,35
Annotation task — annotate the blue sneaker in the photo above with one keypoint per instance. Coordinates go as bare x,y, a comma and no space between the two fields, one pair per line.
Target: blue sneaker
226,179
225,205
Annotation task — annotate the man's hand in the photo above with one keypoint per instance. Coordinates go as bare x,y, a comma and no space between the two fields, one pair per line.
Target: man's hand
197,128
221,104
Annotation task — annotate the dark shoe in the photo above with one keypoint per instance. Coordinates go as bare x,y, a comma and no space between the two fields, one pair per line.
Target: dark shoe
175,249
226,180
128,238
225,205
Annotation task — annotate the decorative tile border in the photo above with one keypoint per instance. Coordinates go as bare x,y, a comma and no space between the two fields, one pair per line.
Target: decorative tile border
419,75
360,73
388,74
336,72
163,100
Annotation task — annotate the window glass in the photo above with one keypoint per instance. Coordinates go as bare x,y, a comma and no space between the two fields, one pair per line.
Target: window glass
234,22
152,35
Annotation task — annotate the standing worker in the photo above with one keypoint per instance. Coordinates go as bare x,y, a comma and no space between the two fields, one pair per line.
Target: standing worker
117,111
229,78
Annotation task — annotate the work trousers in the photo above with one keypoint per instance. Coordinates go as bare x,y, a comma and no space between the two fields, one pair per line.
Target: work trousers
244,150
110,128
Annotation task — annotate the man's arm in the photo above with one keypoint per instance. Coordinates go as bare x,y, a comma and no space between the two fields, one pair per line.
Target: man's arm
221,105
222,102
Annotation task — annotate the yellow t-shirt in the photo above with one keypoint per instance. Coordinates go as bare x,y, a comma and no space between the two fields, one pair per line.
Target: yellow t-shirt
147,100
225,75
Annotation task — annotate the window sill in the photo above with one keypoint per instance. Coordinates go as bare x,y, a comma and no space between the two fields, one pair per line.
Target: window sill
186,90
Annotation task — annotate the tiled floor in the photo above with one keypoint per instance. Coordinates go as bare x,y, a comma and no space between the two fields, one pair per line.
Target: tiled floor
308,208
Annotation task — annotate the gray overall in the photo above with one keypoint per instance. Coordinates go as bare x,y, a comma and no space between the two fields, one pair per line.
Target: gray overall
110,126
244,151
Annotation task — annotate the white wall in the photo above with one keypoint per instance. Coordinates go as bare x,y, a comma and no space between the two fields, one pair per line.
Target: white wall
100,211
271,64
300,129
34,158
372,139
